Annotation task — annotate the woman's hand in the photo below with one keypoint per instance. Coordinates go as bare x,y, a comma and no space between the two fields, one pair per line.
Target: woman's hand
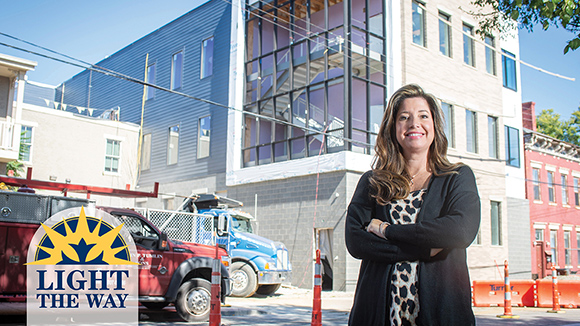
435,251
377,227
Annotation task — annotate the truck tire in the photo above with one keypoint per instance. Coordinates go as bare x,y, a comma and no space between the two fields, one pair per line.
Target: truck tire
268,289
244,280
193,300
155,305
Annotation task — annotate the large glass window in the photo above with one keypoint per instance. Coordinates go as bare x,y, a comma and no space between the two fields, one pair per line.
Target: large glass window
146,152
419,23
112,156
496,231
298,79
492,136
25,151
468,45
536,183
206,57
177,70
150,80
173,145
509,70
512,146
449,123
551,190
471,131
564,185
445,34
204,136
490,55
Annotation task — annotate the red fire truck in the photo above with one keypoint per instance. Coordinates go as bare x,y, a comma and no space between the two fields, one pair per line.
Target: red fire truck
171,272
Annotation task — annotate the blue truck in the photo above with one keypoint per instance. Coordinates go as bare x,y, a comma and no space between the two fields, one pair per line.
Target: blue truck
258,265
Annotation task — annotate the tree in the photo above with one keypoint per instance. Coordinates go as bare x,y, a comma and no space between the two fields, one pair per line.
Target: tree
549,123
495,15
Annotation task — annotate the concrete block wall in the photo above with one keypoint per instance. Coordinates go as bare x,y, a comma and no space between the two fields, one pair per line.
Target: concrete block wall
285,212
519,239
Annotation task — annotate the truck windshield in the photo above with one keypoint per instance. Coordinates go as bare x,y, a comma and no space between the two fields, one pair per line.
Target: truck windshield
242,225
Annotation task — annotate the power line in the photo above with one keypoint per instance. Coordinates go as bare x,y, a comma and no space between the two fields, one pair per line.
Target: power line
114,74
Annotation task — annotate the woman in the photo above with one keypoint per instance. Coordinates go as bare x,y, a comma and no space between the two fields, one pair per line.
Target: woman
410,220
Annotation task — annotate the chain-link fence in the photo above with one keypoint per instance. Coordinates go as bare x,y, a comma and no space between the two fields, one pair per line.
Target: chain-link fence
183,226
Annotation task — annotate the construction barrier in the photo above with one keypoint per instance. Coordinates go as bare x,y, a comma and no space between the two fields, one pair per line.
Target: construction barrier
568,292
215,314
507,302
316,305
492,293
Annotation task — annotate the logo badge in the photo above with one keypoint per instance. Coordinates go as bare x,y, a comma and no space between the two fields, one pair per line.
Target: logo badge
79,270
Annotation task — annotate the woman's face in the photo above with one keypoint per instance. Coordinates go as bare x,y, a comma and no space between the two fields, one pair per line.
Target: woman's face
414,126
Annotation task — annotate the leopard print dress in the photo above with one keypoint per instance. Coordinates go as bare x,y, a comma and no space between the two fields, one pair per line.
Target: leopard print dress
404,293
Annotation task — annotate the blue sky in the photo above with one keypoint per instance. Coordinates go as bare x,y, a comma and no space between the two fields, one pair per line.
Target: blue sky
92,30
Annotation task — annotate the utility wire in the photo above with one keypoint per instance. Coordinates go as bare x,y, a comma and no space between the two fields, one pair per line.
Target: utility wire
136,80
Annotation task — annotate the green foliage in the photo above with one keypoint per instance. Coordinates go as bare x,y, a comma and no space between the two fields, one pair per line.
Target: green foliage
15,166
549,123
495,15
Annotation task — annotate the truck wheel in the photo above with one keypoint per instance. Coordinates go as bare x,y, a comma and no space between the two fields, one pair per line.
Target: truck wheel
193,300
268,289
155,305
244,279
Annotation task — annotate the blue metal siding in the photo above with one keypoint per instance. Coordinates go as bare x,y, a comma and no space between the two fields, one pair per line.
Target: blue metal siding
36,95
166,109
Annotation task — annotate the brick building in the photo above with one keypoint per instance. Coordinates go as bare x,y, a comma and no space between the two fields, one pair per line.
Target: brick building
552,181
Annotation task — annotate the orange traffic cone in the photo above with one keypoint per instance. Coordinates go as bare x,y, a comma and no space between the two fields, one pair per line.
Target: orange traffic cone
555,294
316,306
507,302
215,314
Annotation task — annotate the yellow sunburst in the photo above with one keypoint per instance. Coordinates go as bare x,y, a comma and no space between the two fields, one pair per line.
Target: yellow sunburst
93,248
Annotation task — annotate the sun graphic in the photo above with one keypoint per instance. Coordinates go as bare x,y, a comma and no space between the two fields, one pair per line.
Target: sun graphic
82,240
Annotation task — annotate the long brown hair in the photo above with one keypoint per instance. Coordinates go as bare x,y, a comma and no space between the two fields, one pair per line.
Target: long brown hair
390,179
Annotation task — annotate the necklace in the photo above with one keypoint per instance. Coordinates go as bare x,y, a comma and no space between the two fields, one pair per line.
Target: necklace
413,177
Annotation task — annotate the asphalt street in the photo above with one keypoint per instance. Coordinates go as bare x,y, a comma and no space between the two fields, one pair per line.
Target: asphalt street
293,306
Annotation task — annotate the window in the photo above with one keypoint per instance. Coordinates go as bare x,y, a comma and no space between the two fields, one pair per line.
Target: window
448,116
578,245
471,131
477,240
496,224
536,183
567,249
419,24
150,80
206,57
576,196
468,45
554,246
146,152
492,136
204,137
445,34
551,191
539,234
490,55
564,184
177,70
25,144
512,146
509,70
173,145
112,155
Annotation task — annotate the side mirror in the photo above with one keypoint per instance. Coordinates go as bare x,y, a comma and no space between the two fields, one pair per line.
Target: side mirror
222,227
163,245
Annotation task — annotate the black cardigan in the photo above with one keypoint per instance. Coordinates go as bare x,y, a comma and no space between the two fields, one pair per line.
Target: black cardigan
449,218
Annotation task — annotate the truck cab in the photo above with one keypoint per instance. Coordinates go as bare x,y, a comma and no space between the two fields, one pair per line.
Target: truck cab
259,265
170,272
